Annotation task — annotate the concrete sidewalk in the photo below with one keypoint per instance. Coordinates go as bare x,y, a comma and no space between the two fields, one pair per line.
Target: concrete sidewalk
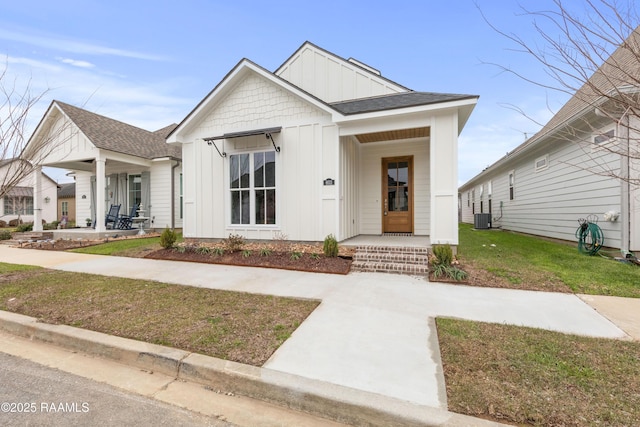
373,333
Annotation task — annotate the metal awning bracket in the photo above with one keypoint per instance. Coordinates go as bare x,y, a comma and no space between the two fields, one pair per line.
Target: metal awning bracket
210,142
268,135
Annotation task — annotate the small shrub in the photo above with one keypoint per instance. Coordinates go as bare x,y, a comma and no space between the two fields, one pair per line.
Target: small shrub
184,248
315,256
296,255
265,252
5,235
203,250
3,224
168,238
439,270
443,254
218,251
24,227
234,242
451,272
246,253
330,246
457,274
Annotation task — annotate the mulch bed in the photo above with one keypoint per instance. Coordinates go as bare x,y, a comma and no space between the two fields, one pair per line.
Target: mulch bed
281,260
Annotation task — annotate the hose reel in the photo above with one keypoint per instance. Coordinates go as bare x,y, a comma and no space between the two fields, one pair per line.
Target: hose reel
589,235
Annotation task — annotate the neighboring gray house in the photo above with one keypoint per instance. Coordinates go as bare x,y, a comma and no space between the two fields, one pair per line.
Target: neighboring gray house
568,170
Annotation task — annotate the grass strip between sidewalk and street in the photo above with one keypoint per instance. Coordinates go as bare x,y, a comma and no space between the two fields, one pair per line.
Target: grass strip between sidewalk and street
535,377
517,261
237,326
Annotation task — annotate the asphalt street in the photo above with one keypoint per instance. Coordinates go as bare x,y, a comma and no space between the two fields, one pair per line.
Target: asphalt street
35,395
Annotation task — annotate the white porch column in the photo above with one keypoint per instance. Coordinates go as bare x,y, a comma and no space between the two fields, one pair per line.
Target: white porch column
100,194
37,198
444,179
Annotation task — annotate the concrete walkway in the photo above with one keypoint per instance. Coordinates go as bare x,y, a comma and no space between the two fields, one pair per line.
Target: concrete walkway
373,332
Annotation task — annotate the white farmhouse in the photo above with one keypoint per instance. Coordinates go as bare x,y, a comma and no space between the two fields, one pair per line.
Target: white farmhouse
323,145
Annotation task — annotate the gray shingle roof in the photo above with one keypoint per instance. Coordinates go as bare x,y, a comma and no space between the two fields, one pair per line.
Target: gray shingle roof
394,101
67,190
113,135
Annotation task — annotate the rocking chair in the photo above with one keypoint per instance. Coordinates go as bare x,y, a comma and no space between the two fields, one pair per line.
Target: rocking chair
112,216
125,222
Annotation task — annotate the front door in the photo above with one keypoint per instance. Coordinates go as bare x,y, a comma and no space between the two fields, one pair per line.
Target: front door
397,195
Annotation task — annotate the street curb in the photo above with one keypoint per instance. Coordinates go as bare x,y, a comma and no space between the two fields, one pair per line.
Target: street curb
338,403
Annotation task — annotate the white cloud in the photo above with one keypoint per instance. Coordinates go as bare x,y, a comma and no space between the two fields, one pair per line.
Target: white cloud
76,62
75,46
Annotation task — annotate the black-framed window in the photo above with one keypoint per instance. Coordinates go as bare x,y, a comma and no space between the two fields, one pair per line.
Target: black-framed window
252,182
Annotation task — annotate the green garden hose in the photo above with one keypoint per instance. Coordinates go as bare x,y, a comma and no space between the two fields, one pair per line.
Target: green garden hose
589,235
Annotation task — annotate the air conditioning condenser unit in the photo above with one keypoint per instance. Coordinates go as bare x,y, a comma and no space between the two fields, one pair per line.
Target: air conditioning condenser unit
482,221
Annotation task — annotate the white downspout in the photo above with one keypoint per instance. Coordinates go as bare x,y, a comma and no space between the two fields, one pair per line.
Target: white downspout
625,200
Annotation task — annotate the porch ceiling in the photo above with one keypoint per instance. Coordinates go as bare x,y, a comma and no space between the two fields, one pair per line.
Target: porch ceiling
392,135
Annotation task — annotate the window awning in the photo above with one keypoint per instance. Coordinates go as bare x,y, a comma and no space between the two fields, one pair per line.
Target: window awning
266,131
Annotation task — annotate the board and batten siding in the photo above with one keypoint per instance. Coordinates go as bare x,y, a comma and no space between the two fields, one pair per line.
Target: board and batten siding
349,187
161,183
309,150
68,141
370,178
177,208
83,197
549,202
332,79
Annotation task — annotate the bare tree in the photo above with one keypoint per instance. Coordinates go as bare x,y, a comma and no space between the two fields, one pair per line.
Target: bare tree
18,153
15,105
593,55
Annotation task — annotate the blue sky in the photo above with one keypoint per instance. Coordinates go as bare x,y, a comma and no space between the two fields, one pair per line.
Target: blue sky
148,63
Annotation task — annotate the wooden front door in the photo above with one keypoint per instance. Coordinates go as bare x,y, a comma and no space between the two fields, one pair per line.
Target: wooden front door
397,195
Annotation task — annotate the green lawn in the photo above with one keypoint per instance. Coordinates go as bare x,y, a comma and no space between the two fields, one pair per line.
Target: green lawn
126,247
526,259
535,377
238,326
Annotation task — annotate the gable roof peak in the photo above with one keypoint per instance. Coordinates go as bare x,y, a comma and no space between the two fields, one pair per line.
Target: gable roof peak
113,135
351,61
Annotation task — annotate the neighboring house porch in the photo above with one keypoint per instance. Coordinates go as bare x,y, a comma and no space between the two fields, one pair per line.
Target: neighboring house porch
113,164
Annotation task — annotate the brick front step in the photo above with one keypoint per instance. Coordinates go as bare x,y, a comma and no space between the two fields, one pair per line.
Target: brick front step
392,259
401,258
390,267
